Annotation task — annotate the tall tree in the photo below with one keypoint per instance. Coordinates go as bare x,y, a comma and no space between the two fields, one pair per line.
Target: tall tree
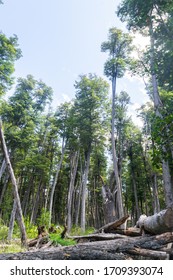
146,16
90,110
118,47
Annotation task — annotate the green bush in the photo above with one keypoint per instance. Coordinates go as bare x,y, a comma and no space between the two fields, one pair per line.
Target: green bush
31,230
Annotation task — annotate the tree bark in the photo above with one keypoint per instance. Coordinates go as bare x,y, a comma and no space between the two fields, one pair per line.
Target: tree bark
3,167
112,226
4,187
108,205
134,183
115,160
84,185
158,223
74,165
12,219
56,179
156,202
15,188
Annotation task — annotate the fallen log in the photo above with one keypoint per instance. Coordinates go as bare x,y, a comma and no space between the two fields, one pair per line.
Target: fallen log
157,223
112,226
96,237
133,231
113,249
149,253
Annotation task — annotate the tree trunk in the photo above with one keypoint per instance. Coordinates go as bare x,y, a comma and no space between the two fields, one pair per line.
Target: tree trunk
15,188
108,205
12,219
56,179
157,223
134,183
84,185
73,171
4,187
155,194
113,225
3,167
115,160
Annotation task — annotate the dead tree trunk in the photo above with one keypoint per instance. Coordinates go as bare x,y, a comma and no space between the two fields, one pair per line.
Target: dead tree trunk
158,223
15,188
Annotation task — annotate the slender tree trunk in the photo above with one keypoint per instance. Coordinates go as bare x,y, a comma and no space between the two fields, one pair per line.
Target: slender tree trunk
4,187
15,189
3,167
84,185
56,179
155,195
158,105
12,219
115,160
74,165
134,183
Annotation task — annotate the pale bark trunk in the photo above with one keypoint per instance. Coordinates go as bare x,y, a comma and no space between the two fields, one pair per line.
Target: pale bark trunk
158,223
108,205
155,195
3,167
74,165
56,179
115,160
15,189
84,185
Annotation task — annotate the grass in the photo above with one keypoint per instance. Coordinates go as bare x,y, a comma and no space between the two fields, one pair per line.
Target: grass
63,242
12,247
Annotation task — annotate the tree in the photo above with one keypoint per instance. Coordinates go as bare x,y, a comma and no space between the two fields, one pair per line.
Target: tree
90,110
22,116
118,47
63,124
9,52
145,17
15,189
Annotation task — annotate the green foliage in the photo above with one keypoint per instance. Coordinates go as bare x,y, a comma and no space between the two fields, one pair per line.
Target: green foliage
118,47
78,231
63,242
9,52
31,230
3,230
44,218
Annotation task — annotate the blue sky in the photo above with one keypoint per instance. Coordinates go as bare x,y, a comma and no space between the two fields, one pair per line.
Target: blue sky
61,39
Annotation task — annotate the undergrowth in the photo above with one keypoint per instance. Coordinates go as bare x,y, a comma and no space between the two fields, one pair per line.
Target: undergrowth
63,242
